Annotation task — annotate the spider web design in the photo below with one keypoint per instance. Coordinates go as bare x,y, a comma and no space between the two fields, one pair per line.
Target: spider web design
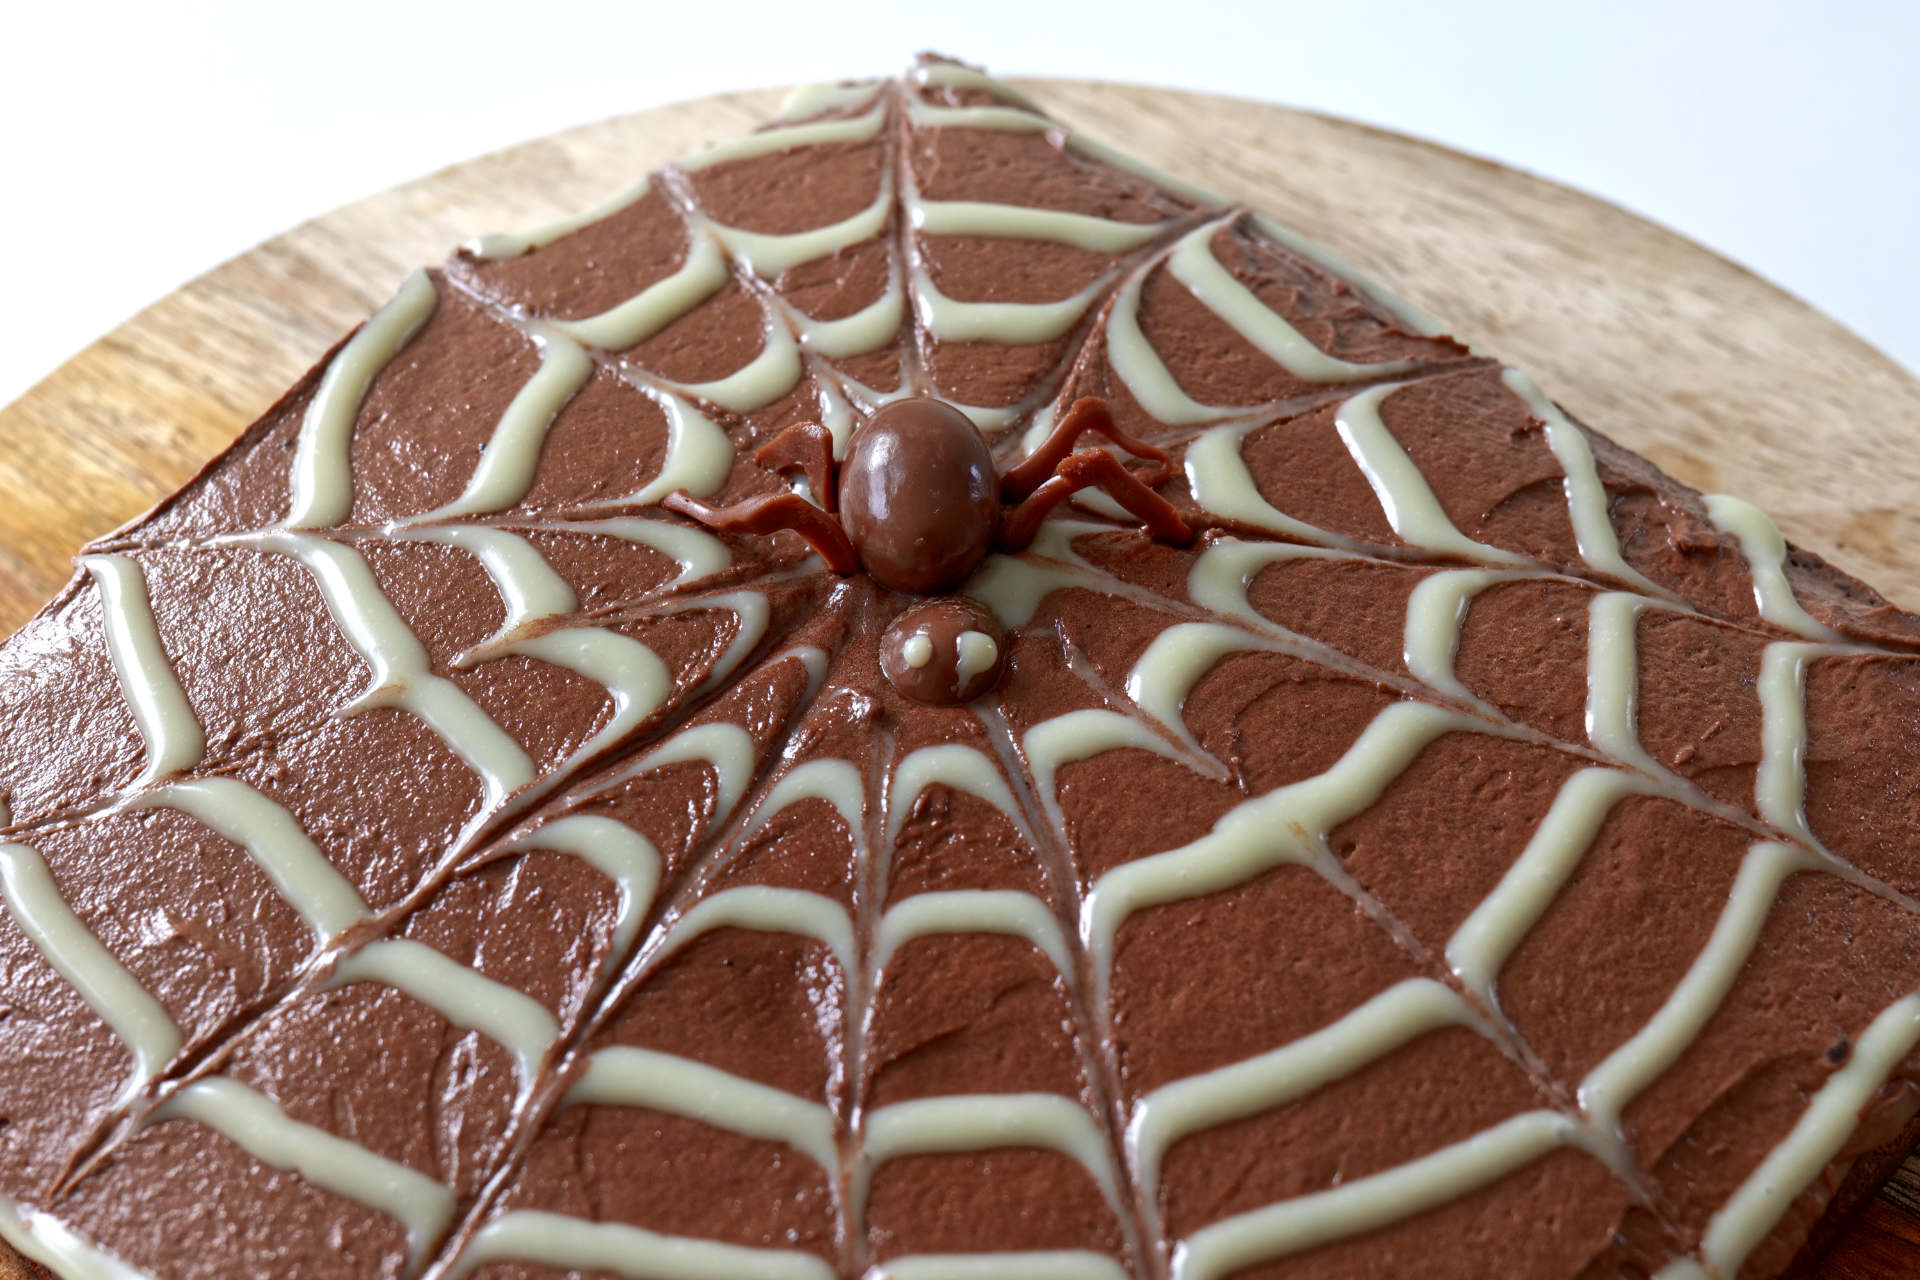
690,949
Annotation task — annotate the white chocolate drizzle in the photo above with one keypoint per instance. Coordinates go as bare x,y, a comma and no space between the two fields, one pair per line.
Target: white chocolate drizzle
631,1077
1290,1226
868,329
1002,911
633,676
505,471
1022,222
160,708
768,909
1026,1264
1024,115
528,586
699,456
322,477
1405,497
1436,610
1411,318
991,420
699,554
1174,662
804,101
836,782
632,322
1222,484
1780,782
34,901
1629,1069
400,674
1109,154
258,1125
1005,322
789,137
617,852
768,255
634,1252
43,1238
1613,674
769,375
984,1121
465,997
934,115
512,244
751,613
1139,366
956,75
951,764
1080,735
836,414
726,748
1766,554
1224,572
1395,1017
1012,587
1193,264
1586,496
1286,825
1830,1118
311,885
1482,943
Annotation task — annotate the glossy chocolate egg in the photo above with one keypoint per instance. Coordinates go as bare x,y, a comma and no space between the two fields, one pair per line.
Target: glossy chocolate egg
919,496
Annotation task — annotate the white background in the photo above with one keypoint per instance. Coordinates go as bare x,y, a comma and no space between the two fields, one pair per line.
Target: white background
141,143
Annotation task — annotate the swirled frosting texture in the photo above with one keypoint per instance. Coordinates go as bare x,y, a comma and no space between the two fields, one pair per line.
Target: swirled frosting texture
1476,855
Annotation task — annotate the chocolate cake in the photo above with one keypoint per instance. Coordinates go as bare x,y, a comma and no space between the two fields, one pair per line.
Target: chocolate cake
606,778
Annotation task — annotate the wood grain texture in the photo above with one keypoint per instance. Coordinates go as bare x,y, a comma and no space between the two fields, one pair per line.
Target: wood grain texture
1724,380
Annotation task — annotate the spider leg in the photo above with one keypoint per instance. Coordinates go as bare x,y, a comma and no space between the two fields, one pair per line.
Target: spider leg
808,447
1089,413
1093,469
770,513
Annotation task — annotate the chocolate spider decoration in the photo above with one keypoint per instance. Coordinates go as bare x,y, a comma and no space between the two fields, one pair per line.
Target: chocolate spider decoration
919,503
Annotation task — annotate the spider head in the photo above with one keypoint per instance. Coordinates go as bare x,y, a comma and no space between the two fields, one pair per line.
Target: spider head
944,651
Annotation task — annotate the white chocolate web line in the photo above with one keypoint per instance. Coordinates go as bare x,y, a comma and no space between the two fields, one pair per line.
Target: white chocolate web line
698,457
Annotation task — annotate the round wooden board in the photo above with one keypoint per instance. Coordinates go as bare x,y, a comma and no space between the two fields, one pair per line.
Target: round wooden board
1719,377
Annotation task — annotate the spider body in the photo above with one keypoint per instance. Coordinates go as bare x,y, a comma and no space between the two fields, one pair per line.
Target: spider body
918,503
919,497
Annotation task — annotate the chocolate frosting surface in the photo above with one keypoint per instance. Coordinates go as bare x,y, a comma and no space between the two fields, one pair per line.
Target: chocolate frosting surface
423,853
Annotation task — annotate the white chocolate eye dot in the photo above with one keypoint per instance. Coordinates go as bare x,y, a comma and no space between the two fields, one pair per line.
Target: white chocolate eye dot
918,650
977,653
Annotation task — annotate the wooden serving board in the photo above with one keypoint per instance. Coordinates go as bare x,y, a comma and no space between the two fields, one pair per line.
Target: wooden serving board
1721,378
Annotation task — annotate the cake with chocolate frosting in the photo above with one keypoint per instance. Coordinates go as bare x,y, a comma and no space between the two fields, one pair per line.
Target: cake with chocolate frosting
912,698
